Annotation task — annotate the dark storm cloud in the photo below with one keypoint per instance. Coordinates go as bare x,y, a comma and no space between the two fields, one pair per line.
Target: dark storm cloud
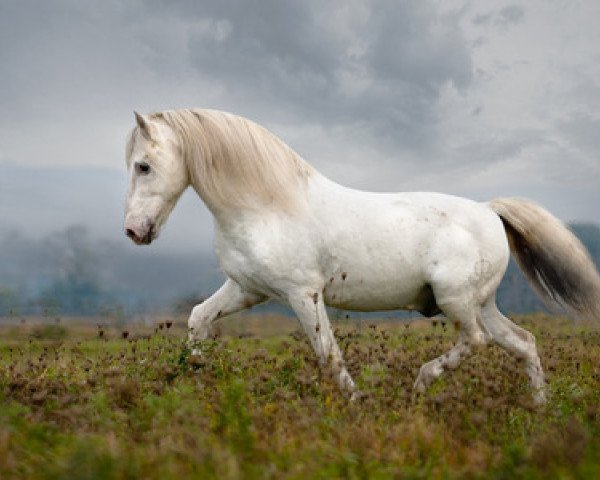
377,67
380,69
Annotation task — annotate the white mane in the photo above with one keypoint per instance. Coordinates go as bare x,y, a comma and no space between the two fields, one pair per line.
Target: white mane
234,162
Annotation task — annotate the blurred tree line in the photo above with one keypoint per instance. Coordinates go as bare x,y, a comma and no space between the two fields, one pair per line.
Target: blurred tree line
72,272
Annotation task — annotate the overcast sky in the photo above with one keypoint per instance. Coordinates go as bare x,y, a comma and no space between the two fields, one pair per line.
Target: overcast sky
481,99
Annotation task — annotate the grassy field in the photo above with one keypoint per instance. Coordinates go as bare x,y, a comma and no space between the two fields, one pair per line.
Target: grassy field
77,405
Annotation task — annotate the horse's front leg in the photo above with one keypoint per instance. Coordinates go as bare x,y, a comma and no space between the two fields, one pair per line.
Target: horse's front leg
309,306
230,298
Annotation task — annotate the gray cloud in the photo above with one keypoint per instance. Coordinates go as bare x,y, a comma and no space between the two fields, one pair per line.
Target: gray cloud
382,71
510,14
583,130
503,17
374,69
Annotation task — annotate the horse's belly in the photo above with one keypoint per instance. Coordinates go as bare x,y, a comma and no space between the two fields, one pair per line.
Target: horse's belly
356,291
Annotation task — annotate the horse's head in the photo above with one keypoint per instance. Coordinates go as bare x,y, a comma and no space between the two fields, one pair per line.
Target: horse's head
157,177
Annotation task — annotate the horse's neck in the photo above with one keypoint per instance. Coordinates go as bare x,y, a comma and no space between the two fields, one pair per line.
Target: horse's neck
197,186
315,184
318,190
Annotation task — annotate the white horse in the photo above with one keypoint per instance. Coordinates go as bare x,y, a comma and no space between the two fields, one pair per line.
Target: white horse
285,232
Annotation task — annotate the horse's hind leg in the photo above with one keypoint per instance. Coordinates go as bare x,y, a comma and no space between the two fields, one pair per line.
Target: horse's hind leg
471,335
518,342
434,368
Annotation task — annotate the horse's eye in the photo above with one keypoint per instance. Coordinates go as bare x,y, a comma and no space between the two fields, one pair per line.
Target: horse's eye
142,168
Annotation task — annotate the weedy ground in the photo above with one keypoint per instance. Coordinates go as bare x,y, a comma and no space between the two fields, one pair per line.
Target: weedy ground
79,404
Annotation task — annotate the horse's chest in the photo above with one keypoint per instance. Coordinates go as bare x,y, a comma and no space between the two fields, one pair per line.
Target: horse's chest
271,268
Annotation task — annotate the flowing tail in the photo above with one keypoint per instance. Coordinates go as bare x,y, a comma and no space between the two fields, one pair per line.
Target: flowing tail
553,259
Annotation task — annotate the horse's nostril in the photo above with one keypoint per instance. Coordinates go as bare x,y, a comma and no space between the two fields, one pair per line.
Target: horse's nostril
130,233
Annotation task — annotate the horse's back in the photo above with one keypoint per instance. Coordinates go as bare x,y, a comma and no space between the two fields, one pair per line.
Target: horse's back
409,221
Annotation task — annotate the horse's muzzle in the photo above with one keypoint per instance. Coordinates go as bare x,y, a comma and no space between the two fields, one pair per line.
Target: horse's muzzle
139,237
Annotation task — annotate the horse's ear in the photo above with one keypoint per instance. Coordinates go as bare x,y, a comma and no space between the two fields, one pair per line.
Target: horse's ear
144,125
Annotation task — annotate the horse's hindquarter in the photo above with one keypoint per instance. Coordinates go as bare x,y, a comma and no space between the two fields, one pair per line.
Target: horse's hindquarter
384,251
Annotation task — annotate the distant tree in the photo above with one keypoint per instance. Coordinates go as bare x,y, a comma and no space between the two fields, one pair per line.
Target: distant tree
75,287
10,302
184,305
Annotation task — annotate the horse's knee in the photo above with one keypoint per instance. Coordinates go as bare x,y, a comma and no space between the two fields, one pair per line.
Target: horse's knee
474,335
526,347
477,338
197,323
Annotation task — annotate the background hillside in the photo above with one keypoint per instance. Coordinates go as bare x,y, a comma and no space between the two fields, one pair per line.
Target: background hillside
73,272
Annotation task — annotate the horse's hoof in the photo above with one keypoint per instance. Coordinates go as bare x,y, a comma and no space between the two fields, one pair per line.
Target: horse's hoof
357,396
539,398
419,386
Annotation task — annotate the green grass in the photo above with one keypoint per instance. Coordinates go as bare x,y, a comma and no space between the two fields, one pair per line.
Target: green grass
75,406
